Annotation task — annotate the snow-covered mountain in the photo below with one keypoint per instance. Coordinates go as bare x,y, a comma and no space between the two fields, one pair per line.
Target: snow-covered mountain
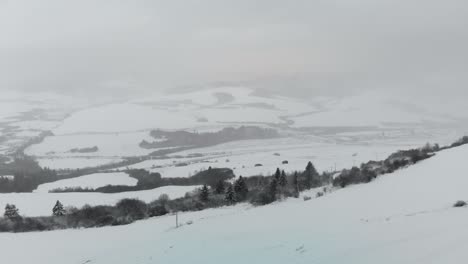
404,217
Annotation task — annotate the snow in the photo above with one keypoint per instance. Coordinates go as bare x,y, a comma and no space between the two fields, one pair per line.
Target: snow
220,107
123,117
405,217
25,115
109,144
118,128
40,204
75,163
242,156
371,109
92,181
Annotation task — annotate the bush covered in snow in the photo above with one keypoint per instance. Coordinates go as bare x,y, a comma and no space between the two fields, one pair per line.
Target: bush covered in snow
460,204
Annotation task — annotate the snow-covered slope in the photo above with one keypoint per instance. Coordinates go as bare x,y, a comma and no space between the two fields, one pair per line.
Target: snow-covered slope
405,217
40,204
375,110
91,181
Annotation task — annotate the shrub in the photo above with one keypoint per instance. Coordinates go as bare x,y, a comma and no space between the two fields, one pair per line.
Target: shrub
132,209
460,204
262,198
155,209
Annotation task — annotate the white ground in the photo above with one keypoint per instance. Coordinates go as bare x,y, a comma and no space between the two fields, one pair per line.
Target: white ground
92,181
109,145
405,217
75,163
40,204
349,150
117,128
372,109
45,112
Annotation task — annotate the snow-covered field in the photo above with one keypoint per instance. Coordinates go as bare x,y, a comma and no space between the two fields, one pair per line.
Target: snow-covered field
405,217
327,154
116,129
92,181
24,116
40,204
193,110
75,163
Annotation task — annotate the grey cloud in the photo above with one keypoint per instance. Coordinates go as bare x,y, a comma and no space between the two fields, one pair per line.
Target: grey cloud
308,47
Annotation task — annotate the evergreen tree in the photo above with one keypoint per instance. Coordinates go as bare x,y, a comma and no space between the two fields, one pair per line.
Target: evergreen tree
11,211
230,195
310,175
220,188
240,189
283,181
277,174
58,209
204,194
273,190
296,184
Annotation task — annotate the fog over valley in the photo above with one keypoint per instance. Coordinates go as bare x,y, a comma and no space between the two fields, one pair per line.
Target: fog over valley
233,131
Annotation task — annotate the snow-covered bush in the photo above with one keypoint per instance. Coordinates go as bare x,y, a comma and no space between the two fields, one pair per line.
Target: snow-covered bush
460,204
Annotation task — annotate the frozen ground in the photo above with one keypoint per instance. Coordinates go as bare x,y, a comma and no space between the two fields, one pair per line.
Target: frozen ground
92,181
25,115
74,162
40,204
371,121
109,145
405,217
327,153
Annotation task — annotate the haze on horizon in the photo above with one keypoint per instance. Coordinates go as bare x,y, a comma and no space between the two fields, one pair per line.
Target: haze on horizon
296,47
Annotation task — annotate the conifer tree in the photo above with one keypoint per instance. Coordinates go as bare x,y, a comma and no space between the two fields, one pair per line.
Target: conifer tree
230,195
204,194
273,189
296,184
58,209
11,211
310,175
283,181
240,189
220,188
277,174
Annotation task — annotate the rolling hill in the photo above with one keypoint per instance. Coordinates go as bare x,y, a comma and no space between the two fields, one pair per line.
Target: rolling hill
404,217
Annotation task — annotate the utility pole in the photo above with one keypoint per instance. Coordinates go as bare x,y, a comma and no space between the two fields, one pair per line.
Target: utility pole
177,219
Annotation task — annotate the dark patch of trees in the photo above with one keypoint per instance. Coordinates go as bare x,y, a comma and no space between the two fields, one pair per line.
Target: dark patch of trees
460,142
372,169
147,181
27,175
184,138
124,212
85,150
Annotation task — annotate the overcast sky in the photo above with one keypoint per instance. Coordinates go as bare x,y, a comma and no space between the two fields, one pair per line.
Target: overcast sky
307,47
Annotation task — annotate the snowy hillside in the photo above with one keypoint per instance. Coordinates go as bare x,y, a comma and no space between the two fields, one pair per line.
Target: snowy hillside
91,181
117,129
40,203
405,217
